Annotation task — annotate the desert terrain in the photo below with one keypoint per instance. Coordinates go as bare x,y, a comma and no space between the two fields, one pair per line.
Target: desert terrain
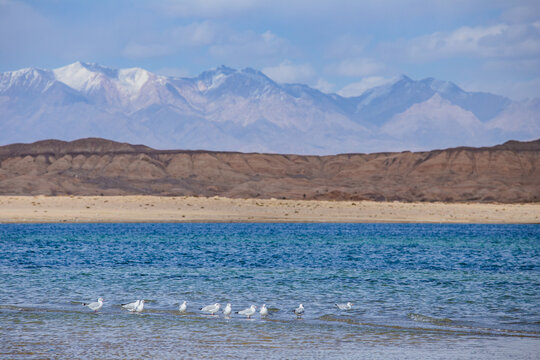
97,180
137,208
508,173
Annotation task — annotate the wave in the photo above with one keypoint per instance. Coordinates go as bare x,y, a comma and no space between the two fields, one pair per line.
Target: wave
439,325
429,319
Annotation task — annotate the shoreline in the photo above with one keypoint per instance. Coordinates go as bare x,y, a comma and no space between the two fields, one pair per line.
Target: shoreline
161,209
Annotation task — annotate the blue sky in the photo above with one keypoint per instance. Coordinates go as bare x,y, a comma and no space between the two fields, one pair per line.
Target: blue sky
341,46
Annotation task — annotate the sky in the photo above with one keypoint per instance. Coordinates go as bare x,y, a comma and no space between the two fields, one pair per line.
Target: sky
341,46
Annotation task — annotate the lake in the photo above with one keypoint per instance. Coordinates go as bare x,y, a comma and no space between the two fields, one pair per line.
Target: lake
432,291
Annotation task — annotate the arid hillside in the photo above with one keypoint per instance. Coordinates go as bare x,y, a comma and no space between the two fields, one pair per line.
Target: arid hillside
508,173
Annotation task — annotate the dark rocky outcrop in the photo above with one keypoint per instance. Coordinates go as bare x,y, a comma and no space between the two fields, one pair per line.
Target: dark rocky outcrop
508,173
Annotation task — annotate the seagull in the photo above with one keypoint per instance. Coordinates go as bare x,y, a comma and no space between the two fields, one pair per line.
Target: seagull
183,307
95,306
248,312
263,311
227,311
347,306
140,306
211,309
131,306
299,311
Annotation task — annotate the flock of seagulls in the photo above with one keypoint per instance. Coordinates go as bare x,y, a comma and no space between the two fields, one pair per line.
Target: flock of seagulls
138,306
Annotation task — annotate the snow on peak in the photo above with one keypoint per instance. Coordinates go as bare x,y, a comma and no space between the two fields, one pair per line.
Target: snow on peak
80,76
87,77
30,78
130,81
254,110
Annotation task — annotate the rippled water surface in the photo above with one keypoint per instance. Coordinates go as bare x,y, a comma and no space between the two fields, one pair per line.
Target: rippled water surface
419,290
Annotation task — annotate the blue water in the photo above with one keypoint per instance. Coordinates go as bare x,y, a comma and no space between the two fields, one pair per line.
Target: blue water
419,290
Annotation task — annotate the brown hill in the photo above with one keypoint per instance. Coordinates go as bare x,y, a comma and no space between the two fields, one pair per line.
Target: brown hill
505,173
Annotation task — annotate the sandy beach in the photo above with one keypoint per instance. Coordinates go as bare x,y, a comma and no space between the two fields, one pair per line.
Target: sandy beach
84,209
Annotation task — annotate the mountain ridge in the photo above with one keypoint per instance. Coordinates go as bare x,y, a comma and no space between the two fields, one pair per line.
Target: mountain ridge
245,110
506,173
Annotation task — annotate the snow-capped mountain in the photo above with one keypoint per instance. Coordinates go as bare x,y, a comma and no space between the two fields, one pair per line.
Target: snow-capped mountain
244,110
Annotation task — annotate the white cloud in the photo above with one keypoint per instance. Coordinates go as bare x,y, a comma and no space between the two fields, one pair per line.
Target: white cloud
496,41
355,67
249,48
357,88
287,72
222,43
173,40
195,34
324,86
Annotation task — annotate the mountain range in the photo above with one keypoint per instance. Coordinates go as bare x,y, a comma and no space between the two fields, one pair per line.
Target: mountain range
226,109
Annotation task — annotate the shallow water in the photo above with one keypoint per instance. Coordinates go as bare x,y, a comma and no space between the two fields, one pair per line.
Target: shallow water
420,290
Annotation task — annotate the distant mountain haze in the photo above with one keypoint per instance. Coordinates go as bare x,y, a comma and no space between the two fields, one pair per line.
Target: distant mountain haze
244,110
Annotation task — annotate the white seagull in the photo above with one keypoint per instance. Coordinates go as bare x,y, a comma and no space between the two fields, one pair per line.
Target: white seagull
227,311
183,307
95,306
248,312
211,309
263,311
140,306
347,306
299,311
131,306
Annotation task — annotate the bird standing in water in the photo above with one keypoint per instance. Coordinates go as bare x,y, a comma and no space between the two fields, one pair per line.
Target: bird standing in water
263,311
227,311
347,306
95,306
183,307
299,311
